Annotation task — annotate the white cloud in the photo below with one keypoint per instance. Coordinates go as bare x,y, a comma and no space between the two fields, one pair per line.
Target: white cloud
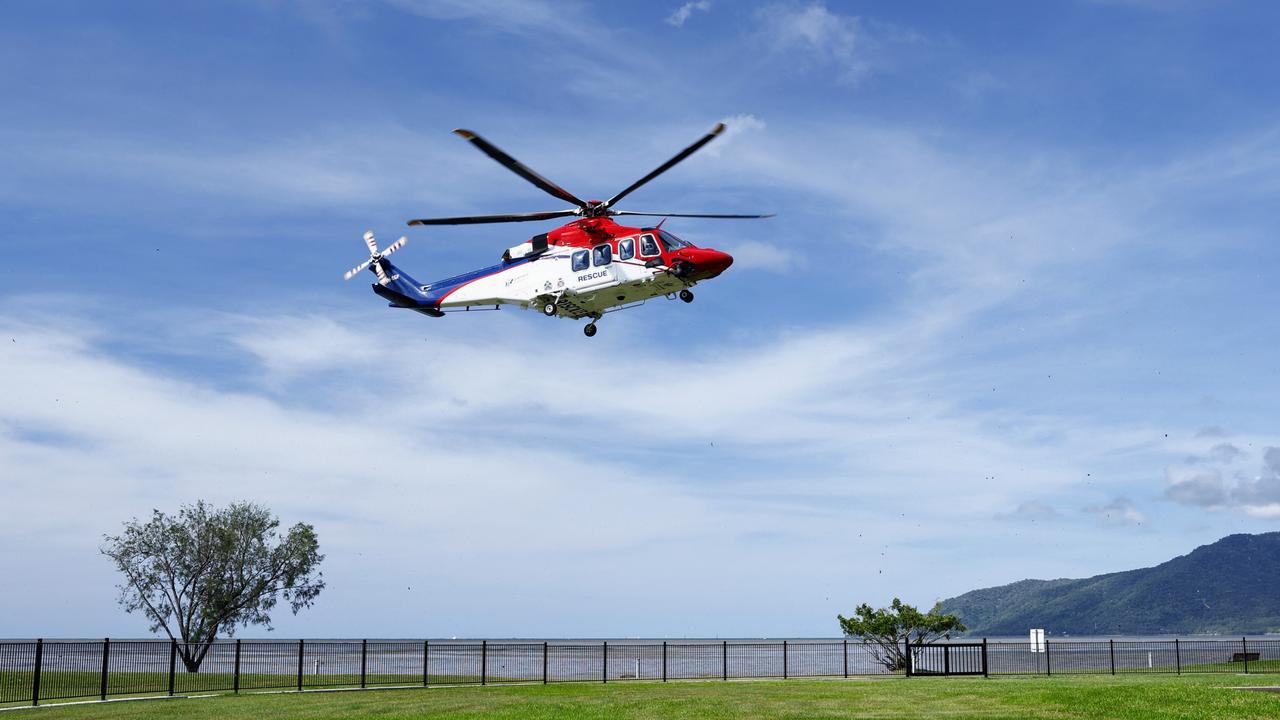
1031,511
491,465
817,36
1120,512
1200,488
735,128
520,17
1267,511
1200,481
681,14
753,255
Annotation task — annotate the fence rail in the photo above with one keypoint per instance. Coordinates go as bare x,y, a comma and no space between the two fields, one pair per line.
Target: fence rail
34,671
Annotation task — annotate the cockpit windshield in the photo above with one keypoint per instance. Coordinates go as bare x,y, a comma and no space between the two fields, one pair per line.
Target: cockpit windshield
671,242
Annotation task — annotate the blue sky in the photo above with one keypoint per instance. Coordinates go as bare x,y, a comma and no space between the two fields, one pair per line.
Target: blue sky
1015,317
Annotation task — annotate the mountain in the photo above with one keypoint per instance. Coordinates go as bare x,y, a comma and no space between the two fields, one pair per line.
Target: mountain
1231,587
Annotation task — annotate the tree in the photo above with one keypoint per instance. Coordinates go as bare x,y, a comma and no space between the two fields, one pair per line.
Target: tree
210,570
887,630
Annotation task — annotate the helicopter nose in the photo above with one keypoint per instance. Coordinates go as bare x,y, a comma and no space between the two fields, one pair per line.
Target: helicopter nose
709,263
714,262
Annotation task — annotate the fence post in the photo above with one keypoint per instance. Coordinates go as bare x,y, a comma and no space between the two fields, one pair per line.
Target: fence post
484,662
784,659
985,669
300,644
664,661
1244,645
946,659
235,682
1112,642
846,659
907,657
173,662
364,660
426,662
35,679
1177,654
1048,669
604,664
724,660
106,655
544,662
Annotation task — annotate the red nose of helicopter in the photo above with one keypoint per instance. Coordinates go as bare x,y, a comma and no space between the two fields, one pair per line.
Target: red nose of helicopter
707,263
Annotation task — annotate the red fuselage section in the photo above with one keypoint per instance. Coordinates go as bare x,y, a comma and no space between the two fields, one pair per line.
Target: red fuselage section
703,263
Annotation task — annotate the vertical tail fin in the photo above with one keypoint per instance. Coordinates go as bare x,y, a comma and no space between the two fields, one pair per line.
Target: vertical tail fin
393,284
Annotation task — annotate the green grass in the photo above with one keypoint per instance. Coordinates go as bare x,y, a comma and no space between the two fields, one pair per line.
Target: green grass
1255,666
56,686
1145,697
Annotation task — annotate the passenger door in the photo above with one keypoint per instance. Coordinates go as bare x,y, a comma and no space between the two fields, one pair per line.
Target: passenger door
601,271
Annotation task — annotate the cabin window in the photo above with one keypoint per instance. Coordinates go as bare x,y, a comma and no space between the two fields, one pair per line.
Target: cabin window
648,246
601,255
671,241
581,260
626,248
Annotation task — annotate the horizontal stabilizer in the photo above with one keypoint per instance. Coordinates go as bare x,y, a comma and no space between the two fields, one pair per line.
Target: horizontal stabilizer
404,301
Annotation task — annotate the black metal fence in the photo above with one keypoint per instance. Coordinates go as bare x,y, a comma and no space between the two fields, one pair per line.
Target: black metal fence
33,671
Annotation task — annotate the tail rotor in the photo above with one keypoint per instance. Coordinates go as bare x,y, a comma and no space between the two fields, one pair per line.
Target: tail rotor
375,258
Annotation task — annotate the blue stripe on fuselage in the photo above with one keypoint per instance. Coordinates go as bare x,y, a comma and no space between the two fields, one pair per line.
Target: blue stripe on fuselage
431,294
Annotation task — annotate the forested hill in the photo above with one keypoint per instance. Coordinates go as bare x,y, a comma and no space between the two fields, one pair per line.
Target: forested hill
1230,587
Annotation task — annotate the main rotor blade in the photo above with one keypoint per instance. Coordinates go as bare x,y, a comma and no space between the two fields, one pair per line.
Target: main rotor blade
520,169
693,215
477,219
719,128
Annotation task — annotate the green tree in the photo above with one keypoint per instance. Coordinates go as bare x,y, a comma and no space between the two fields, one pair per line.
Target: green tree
886,631
210,570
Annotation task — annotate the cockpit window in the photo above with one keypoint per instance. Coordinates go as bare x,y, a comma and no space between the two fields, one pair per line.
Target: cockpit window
581,260
648,246
626,248
601,255
671,242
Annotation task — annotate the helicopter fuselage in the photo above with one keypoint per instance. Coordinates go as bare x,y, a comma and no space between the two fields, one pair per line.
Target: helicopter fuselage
583,269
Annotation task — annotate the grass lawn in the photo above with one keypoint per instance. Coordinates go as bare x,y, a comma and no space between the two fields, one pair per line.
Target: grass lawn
1059,697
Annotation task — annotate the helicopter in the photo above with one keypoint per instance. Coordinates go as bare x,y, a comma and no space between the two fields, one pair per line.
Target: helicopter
584,269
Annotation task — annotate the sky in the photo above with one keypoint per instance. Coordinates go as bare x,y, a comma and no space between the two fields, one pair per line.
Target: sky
1015,317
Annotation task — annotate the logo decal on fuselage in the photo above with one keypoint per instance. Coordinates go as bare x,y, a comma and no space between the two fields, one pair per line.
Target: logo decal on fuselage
592,276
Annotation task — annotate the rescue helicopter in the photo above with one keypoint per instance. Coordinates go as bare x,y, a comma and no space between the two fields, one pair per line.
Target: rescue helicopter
589,267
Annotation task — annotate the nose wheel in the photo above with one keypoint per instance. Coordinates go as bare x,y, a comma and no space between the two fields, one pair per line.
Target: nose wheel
549,309
686,296
589,330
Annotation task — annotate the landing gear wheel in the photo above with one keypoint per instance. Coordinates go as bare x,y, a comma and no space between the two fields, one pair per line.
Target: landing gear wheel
589,330
549,309
686,296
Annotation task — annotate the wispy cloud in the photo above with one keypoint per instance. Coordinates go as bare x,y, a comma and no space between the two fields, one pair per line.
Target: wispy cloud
1216,480
1120,512
681,14
408,444
817,37
522,17
1031,511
